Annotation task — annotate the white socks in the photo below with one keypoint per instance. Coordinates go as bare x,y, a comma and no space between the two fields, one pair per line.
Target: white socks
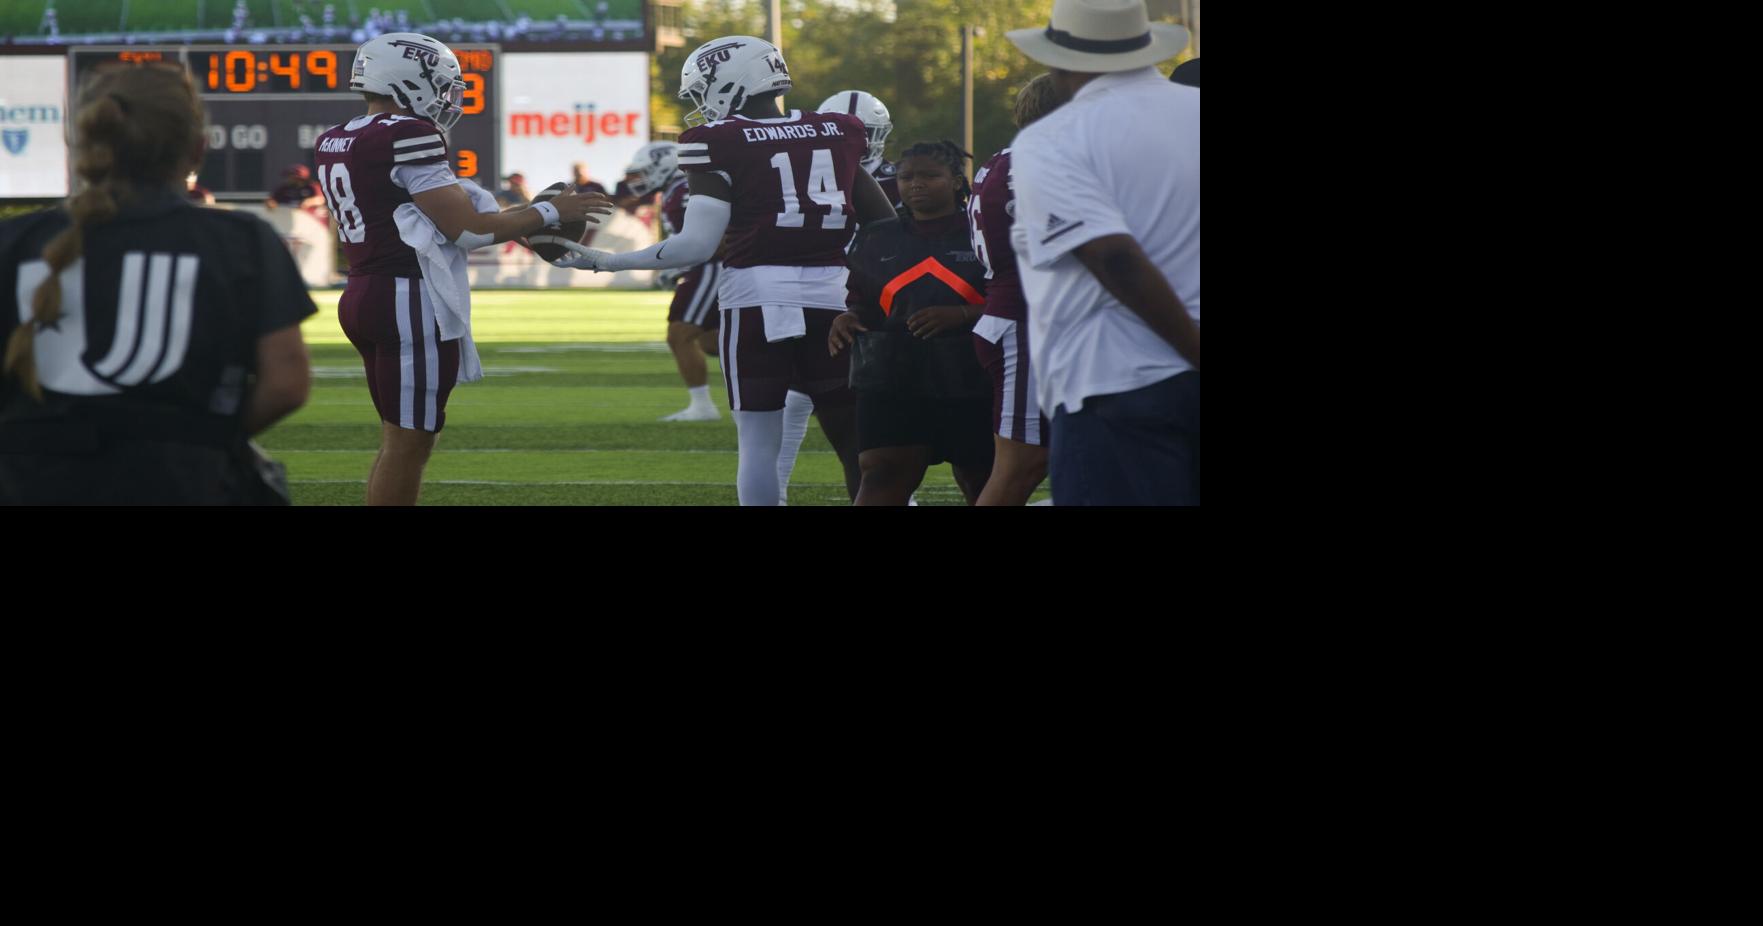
797,407
760,435
700,409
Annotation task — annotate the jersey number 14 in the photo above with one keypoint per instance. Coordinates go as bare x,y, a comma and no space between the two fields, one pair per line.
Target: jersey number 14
823,188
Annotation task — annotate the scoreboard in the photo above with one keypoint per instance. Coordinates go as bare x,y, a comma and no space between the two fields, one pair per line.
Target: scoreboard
267,105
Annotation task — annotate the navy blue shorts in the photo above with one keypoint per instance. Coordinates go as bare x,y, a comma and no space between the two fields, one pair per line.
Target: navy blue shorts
1132,448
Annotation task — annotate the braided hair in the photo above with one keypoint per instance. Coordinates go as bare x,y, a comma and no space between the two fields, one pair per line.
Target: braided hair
950,155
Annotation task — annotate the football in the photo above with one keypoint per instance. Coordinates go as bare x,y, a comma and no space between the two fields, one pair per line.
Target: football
571,231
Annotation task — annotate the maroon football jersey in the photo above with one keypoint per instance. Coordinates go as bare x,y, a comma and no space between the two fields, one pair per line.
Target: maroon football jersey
991,210
673,207
355,172
792,180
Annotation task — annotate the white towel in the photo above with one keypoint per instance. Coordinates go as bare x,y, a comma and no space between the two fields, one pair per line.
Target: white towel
991,327
783,322
444,273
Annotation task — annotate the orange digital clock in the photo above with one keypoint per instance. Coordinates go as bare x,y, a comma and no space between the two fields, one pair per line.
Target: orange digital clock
267,106
315,70
245,71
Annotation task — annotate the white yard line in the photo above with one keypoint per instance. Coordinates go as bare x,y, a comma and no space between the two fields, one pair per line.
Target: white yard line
444,450
537,485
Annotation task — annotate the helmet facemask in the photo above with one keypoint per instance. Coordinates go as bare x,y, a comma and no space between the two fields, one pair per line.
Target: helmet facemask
878,140
694,93
448,107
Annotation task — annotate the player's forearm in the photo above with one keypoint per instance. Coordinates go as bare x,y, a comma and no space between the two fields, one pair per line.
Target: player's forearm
1123,268
675,253
871,203
706,219
504,226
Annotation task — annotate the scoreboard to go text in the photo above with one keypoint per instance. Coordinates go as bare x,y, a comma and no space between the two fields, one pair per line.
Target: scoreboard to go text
267,105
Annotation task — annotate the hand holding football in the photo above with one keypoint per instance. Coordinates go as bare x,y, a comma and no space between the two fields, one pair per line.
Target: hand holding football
576,211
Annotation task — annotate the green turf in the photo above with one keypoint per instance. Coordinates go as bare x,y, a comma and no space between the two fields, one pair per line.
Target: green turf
218,14
21,17
566,415
413,7
91,16
151,15
548,9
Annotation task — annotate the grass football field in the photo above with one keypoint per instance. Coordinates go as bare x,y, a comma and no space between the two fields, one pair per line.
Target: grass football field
565,415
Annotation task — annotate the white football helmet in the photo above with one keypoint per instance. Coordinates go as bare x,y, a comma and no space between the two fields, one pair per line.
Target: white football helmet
419,72
653,167
722,75
874,115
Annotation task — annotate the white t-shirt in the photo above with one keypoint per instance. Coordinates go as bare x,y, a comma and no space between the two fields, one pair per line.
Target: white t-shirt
1123,157
777,284
423,177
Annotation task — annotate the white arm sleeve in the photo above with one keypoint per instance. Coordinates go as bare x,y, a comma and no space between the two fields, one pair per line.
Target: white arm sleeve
706,220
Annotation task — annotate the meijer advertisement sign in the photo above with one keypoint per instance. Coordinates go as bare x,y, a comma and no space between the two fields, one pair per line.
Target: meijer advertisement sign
33,117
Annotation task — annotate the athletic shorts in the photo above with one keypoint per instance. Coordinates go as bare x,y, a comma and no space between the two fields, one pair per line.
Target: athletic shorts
1016,414
955,430
410,370
694,302
758,372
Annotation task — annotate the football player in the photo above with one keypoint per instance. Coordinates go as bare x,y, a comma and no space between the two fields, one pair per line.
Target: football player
369,166
878,124
1019,427
789,189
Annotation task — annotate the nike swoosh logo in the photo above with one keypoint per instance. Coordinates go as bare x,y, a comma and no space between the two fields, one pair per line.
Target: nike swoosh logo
659,250
883,259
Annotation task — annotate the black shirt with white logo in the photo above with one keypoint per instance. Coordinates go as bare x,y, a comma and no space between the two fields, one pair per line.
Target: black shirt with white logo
160,316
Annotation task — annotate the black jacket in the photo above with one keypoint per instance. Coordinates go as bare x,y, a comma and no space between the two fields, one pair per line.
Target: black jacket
157,341
898,267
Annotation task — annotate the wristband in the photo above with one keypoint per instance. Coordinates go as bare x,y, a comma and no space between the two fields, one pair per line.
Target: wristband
547,212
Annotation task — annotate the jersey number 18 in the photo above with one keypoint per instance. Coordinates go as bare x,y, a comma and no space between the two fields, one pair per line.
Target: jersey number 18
340,194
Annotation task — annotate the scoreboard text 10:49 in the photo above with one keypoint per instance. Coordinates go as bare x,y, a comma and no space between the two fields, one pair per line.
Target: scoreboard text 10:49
267,105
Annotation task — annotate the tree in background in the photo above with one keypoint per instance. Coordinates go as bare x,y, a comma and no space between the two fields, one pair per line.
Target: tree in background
907,52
